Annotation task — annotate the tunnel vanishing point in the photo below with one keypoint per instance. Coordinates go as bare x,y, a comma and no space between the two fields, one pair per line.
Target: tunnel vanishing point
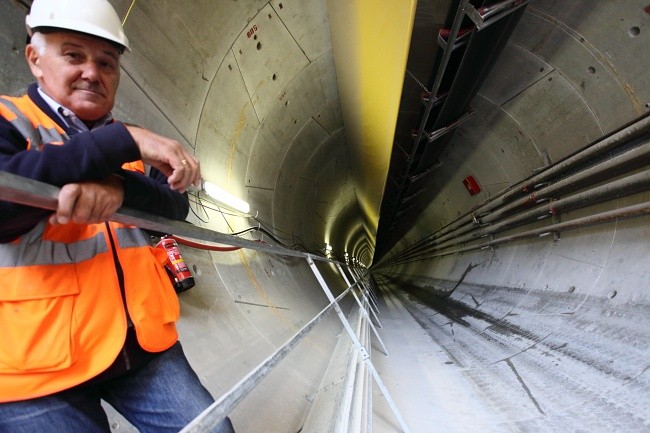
477,171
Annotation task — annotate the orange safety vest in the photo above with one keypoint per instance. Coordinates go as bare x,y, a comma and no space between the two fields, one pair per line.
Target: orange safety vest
62,316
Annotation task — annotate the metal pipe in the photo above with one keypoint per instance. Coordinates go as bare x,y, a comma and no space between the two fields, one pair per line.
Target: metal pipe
625,162
638,210
621,164
616,139
29,192
626,134
627,186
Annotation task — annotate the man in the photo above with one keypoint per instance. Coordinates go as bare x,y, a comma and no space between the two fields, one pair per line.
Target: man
86,309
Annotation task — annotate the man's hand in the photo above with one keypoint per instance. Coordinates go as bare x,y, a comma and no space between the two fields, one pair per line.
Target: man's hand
89,202
168,156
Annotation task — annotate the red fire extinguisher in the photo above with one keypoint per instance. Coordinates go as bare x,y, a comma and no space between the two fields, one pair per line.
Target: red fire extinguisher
176,268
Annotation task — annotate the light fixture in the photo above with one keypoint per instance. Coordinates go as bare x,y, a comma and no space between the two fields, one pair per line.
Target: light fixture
226,198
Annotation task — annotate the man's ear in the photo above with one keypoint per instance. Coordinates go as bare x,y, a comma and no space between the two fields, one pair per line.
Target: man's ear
33,60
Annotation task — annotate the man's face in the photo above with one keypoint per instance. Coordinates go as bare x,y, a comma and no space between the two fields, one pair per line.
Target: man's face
79,72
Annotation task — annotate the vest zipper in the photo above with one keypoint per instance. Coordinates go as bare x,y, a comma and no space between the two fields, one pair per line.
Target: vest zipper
120,279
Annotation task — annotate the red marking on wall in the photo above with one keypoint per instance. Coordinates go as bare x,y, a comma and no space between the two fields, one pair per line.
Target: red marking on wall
251,31
647,9
471,185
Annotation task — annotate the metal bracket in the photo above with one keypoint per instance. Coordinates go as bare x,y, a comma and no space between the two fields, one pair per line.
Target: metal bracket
365,313
358,345
459,42
432,136
483,17
556,220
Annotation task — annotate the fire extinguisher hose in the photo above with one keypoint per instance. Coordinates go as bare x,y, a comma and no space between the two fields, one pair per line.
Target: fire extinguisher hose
202,246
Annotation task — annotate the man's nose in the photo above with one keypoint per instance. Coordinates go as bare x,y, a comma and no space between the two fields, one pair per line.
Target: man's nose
90,71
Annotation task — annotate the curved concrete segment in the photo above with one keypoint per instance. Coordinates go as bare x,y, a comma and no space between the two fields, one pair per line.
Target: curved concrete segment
497,311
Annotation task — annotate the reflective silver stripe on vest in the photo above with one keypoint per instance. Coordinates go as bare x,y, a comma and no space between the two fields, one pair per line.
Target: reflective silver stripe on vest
36,136
130,237
33,250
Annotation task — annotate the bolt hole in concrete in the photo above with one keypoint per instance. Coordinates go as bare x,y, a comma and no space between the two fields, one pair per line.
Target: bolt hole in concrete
280,6
591,70
275,77
286,103
634,31
572,289
259,45
611,294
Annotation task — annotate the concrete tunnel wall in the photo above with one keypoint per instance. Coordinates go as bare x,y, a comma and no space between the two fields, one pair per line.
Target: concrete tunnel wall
555,332
532,327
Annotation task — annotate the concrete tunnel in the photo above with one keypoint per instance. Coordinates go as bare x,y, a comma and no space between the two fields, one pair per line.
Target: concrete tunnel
482,165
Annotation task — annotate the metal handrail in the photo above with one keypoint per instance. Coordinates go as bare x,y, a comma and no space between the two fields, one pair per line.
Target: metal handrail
212,416
29,192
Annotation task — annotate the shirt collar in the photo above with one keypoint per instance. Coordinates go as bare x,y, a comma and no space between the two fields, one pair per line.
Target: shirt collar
71,119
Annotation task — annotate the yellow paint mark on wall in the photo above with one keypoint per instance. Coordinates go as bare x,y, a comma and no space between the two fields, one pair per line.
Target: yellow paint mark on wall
234,140
370,40
261,292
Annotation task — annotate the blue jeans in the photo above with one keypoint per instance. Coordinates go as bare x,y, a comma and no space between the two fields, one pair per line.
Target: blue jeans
161,397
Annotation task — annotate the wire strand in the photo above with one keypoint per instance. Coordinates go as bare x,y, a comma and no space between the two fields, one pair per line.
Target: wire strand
127,13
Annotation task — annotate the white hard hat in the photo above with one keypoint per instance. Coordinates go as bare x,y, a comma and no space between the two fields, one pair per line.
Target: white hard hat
93,17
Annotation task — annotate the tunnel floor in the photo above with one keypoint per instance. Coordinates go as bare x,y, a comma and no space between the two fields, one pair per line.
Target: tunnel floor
428,389
457,365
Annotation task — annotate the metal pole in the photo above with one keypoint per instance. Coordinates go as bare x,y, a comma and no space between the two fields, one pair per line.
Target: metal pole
363,292
363,310
29,192
362,350
211,417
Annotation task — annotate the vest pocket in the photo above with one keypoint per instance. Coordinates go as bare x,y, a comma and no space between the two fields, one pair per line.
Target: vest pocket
37,331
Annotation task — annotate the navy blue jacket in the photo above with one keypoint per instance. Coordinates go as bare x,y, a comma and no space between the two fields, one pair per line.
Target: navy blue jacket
85,156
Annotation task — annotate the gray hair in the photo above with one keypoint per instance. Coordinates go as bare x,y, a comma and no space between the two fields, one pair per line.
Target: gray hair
38,42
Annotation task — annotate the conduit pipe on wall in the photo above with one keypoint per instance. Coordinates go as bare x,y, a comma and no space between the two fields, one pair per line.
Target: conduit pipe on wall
614,141
623,163
639,210
627,186
628,133
630,185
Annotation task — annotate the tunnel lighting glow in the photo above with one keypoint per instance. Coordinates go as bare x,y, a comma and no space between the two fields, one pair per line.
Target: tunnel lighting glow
328,248
226,198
